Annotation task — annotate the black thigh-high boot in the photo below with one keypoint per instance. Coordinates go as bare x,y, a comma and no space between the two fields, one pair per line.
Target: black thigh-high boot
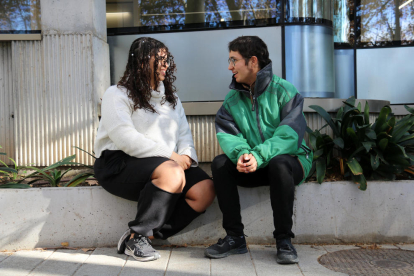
182,216
155,206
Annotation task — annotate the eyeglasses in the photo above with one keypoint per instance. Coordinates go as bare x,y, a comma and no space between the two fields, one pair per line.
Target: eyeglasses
164,61
233,60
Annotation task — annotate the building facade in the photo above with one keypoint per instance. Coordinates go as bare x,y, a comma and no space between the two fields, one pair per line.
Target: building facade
57,58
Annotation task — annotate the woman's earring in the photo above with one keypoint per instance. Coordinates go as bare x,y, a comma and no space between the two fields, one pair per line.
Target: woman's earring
132,55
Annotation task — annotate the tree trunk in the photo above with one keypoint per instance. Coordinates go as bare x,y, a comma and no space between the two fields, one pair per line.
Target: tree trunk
235,14
397,33
195,12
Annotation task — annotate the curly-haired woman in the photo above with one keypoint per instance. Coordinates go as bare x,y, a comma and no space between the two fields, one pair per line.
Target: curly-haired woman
145,151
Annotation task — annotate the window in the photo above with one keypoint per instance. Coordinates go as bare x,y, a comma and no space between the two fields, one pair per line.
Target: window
385,22
343,22
308,11
374,23
184,14
20,16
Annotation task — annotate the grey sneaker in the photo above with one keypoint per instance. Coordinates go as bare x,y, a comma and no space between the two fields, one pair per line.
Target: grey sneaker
227,246
141,250
286,253
122,241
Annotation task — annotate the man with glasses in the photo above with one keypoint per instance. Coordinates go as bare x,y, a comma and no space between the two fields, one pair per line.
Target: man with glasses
260,128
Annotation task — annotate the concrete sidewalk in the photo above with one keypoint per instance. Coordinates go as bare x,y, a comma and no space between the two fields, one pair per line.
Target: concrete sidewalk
260,260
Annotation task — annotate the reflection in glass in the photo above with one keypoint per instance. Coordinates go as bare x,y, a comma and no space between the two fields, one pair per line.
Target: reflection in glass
181,12
308,11
343,21
383,22
19,15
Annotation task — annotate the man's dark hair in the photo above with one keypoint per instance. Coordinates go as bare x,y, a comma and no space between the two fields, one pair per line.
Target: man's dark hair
249,46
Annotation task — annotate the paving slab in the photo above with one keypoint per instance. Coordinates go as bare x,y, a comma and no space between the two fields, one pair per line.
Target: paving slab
264,260
23,262
236,265
4,255
406,246
157,268
335,247
308,261
103,262
188,261
62,262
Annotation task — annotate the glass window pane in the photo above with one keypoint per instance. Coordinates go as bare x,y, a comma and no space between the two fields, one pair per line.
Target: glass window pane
343,22
386,22
208,13
308,11
19,16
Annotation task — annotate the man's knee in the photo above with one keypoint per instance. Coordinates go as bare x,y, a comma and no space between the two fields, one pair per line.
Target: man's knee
280,164
219,162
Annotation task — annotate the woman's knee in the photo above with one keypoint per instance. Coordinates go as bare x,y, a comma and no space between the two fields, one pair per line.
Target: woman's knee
202,194
169,176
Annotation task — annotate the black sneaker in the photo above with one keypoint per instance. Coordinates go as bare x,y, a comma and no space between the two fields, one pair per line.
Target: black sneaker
141,250
286,253
228,246
122,241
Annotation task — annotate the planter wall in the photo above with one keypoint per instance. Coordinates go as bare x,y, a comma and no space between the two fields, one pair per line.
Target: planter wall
328,213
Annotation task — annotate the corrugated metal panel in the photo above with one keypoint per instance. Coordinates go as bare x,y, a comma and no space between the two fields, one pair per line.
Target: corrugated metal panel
6,102
204,136
55,107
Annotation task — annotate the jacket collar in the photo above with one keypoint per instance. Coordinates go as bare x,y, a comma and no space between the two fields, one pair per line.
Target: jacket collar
263,78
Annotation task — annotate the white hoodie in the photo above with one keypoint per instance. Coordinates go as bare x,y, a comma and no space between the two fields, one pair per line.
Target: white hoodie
142,133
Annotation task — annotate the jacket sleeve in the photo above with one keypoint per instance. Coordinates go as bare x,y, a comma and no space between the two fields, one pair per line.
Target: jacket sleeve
117,121
287,137
229,136
185,144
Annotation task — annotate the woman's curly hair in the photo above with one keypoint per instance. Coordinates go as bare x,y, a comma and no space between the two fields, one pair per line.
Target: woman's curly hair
137,76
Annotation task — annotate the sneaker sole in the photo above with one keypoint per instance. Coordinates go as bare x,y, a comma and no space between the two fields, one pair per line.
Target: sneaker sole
226,254
121,242
143,259
294,261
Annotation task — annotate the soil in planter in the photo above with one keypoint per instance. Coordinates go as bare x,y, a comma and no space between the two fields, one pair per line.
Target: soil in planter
334,174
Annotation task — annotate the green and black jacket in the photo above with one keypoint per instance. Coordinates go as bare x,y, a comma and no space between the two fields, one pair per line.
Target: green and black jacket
266,121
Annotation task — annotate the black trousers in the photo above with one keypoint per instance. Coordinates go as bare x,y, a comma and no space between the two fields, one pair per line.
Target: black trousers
159,213
282,174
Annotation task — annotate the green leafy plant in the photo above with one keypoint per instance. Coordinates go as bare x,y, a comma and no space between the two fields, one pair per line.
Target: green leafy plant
80,178
364,150
10,174
49,174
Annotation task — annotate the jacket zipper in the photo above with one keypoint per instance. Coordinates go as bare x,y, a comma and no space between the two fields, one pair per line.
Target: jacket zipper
253,101
306,150
252,98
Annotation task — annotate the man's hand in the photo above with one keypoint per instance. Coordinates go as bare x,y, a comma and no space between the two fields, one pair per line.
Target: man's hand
183,160
247,163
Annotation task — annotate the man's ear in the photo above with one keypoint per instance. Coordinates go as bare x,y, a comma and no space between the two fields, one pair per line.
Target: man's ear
255,61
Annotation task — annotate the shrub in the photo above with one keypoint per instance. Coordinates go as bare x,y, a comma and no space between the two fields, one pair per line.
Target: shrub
364,150
50,174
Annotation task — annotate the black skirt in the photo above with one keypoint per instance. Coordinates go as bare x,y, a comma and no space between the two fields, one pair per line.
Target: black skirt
125,176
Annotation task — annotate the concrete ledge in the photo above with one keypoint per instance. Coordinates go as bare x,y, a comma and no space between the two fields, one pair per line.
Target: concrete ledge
10,37
91,217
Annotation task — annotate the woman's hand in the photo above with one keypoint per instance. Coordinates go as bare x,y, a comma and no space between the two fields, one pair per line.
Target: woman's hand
183,160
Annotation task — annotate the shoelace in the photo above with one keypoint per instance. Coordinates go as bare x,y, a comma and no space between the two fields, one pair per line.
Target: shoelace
227,238
286,247
142,241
